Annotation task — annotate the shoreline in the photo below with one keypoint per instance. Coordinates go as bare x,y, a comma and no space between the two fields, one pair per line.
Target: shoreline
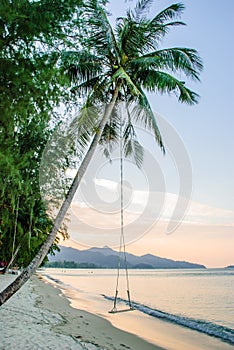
39,316
86,326
155,332
47,315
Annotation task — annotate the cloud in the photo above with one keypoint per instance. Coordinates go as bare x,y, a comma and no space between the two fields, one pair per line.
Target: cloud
205,235
104,199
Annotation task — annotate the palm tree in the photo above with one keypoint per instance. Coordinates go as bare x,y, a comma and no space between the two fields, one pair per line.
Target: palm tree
116,65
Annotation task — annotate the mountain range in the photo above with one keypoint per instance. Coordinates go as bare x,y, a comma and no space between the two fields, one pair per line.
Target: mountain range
108,258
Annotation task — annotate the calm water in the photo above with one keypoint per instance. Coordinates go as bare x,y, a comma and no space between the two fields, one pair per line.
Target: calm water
198,299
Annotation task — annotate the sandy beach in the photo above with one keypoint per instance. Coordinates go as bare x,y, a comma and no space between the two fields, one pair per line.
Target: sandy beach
45,316
39,317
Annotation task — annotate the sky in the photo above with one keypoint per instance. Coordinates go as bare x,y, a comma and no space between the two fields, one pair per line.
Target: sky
200,175
207,128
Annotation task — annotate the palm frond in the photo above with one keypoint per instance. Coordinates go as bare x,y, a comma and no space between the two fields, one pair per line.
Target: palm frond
110,137
143,115
81,65
83,89
165,83
138,38
111,132
101,35
182,59
141,8
129,131
97,89
186,95
129,56
83,126
134,150
160,25
158,32
133,37
168,13
150,61
175,59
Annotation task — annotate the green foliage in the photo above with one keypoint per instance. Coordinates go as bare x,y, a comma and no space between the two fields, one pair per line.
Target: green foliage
40,40
71,265
31,86
23,220
128,57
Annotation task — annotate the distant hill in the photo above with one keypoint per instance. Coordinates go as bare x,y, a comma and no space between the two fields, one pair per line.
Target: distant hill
230,267
108,258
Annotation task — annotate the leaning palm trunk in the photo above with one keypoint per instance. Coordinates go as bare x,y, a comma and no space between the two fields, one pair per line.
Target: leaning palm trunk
35,263
122,55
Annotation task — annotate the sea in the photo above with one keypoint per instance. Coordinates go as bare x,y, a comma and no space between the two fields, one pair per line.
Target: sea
200,301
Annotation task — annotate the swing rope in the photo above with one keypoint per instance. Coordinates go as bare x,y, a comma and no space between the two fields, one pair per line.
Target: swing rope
122,239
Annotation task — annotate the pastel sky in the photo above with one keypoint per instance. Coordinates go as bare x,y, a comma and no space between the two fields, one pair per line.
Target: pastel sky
205,133
204,235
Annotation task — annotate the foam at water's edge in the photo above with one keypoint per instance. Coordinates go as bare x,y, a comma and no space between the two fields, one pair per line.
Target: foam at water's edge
223,333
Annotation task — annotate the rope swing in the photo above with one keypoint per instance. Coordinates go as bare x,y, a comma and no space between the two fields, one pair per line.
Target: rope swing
122,240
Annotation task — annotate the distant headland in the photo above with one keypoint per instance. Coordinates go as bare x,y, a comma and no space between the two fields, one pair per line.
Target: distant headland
108,258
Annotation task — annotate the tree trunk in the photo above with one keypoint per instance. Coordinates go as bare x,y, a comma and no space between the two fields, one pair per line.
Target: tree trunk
12,259
35,263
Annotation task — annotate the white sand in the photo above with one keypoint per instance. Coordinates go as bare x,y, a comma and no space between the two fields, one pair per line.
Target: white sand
25,325
155,332
39,317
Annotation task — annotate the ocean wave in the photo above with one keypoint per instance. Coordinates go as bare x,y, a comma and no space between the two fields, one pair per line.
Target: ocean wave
223,333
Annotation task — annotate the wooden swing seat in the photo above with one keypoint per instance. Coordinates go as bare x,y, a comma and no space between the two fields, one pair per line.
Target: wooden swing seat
115,311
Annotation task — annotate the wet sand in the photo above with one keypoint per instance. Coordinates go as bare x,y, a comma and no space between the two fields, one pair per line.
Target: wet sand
40,317
47,316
